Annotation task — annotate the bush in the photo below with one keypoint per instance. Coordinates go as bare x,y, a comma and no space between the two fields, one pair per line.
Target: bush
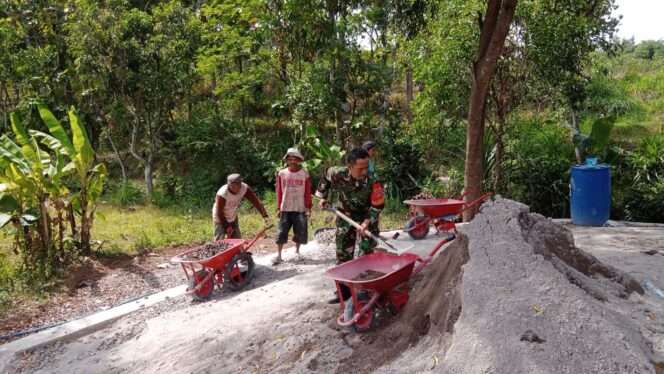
644,201
449,185
401,164
8,277
537,166
125,194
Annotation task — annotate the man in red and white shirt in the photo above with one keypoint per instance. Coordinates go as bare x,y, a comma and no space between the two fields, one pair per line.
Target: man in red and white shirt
293,202
226,204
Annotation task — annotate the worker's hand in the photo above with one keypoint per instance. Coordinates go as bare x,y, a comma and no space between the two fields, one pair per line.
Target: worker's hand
267,220
278,213
323,204
365,226
307,213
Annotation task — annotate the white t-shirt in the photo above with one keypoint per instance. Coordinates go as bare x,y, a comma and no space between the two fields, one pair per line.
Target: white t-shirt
232,202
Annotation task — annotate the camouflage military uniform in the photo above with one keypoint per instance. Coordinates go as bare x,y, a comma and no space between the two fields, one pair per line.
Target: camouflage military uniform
360,200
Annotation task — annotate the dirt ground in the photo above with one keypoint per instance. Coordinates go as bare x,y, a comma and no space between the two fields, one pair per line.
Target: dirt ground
489,304
101,283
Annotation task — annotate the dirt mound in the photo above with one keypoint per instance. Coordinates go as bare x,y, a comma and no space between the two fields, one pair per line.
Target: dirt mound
513,295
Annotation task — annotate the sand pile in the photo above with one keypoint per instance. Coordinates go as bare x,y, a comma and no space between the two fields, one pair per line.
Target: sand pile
513,295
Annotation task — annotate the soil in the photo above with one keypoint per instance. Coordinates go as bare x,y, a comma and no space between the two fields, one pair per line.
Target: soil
368,275
100,283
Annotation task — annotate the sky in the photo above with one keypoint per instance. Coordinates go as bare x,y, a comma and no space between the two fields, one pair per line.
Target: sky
642,19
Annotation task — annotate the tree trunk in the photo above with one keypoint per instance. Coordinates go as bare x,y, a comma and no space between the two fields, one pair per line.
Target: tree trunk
44,225
147,171
72,220
409,93
498,159
61,230
578,152
117,154
494,29
85,223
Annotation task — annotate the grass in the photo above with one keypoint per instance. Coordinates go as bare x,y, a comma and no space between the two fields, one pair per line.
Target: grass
130,230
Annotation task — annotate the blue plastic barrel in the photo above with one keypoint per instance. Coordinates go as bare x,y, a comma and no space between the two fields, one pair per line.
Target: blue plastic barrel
590,194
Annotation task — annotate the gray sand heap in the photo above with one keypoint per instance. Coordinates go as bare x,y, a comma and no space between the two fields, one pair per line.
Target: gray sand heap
513,295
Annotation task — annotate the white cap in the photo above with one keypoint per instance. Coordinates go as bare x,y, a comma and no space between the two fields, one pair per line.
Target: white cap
294,152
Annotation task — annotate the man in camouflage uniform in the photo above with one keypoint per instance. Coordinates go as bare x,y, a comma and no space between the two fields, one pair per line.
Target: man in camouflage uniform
362,199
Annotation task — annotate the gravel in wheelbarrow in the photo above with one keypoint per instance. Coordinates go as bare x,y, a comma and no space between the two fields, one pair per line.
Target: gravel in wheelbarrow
206,251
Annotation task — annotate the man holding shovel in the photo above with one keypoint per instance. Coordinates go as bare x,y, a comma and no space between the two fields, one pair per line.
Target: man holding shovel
362,199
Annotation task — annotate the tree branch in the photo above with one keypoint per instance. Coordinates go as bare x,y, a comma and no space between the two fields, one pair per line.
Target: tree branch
488,25
132,144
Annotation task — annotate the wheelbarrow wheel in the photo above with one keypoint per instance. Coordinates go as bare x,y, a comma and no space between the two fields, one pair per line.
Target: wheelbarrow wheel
239,271
417,227
205,291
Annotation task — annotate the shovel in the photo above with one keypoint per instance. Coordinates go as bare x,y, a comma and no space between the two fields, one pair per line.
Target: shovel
377,238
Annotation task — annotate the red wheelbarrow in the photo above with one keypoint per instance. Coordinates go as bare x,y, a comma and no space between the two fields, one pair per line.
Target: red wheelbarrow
443,213
232,267
378,282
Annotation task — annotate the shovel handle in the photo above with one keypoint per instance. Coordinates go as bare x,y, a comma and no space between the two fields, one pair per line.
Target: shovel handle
377,238
350,221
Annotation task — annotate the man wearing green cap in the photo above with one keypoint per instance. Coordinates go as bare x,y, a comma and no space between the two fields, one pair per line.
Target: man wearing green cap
227,201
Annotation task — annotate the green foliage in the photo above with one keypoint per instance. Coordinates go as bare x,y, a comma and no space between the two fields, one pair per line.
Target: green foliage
36,198
323,154
441,59
401,163
125,194
597,141
645,199
649,49
560,37
450,185
606,96
537,164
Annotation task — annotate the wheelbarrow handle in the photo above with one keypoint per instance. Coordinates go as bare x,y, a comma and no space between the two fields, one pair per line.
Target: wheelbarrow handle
471,204
258,235
424,261
463,194
366,309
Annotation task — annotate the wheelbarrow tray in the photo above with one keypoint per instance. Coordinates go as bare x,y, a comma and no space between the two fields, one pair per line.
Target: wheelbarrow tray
397,269
437,207
217,261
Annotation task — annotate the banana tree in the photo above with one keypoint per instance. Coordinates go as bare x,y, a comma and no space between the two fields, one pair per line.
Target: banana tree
90,177
27,180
